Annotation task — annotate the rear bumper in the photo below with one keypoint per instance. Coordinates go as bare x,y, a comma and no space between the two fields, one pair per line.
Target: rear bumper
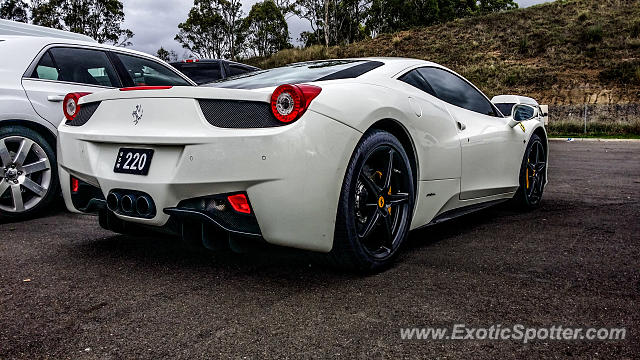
292,175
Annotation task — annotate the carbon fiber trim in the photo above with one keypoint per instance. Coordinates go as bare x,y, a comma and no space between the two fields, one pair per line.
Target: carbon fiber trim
237,114
86,111
236,221
225,217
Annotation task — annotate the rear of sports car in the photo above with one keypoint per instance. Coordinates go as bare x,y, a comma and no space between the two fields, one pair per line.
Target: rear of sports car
258,163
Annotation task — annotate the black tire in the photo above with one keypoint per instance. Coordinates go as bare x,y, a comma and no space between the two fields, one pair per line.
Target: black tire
38,202
533,175
362,226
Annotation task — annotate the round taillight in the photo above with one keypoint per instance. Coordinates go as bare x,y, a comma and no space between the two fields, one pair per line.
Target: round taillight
286,103
70,105
289,102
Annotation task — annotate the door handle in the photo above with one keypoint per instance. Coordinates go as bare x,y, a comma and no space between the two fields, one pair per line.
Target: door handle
55,98
461,126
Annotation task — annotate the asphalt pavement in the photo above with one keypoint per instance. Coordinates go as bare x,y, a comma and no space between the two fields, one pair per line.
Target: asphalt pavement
69,289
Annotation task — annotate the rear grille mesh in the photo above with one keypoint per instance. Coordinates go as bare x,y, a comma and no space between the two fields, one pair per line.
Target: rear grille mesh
237,114
85,113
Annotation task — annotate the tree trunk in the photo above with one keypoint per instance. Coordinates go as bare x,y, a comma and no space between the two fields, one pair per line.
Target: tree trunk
326,23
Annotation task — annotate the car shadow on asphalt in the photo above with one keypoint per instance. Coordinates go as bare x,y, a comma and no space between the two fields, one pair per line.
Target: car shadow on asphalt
432,234
276,261
56,208
147,253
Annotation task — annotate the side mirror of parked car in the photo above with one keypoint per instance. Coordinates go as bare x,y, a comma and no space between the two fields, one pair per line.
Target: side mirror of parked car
522,112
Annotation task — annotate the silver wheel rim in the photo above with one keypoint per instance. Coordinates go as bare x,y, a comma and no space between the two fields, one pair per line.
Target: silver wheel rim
25,174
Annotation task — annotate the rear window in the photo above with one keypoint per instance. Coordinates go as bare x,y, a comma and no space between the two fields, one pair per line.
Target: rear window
46,69
146,72
200,73
78,65
299,73
237,69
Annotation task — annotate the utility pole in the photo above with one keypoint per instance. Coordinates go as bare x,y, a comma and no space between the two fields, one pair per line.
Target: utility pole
585,119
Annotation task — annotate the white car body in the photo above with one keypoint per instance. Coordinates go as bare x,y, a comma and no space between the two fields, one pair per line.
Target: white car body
514,99
35,103
293,174
39,101
508,101
9,27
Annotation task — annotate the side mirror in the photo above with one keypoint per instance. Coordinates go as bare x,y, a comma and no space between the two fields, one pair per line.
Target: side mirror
522,112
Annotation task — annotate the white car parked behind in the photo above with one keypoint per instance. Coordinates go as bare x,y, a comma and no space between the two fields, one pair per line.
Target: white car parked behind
35,75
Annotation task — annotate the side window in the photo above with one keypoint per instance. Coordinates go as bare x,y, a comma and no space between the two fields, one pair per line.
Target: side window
46,69
414,78
456,91
147,72
505,108
84,66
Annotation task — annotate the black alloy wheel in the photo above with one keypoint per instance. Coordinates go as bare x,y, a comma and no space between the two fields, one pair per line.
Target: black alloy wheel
376,204
533,174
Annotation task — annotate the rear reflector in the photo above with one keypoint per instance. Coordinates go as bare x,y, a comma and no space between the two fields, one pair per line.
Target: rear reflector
75,185
146,88
239,203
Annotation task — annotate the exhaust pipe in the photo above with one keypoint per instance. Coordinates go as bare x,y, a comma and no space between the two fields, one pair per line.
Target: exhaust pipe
130,203
127,203
113,201
143,206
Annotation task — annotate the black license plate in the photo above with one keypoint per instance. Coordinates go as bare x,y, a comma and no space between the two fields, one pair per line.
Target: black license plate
133,161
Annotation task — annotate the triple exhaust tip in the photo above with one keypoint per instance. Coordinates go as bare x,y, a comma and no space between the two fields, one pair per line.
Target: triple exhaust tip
130,204
143,205
126,203
113,201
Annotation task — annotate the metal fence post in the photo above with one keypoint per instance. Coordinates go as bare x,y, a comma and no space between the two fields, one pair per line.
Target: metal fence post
585,119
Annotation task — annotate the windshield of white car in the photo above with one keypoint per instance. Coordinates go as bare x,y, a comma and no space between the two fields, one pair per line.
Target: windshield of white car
298,73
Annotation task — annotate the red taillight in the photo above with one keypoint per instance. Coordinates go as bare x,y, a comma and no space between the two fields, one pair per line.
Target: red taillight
145,88
289,102
75,185
70,105
191,60
239,203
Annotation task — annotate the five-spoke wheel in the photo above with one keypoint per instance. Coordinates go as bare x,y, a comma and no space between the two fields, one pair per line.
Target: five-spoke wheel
533,175
381,201
376,204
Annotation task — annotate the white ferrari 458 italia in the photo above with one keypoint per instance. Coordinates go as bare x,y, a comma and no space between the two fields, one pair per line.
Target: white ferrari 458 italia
342,157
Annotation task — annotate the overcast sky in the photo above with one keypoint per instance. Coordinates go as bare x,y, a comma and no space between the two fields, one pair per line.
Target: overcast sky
155,22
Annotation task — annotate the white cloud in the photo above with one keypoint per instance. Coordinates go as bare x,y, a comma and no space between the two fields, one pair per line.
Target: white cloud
525,3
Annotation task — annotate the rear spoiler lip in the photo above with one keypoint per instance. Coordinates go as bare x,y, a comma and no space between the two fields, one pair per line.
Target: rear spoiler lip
134,88
181,92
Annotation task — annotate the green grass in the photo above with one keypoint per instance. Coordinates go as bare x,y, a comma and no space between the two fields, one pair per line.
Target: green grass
592,34
595,128
594,136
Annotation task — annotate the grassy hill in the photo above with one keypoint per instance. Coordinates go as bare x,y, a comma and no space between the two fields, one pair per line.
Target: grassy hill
562,53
